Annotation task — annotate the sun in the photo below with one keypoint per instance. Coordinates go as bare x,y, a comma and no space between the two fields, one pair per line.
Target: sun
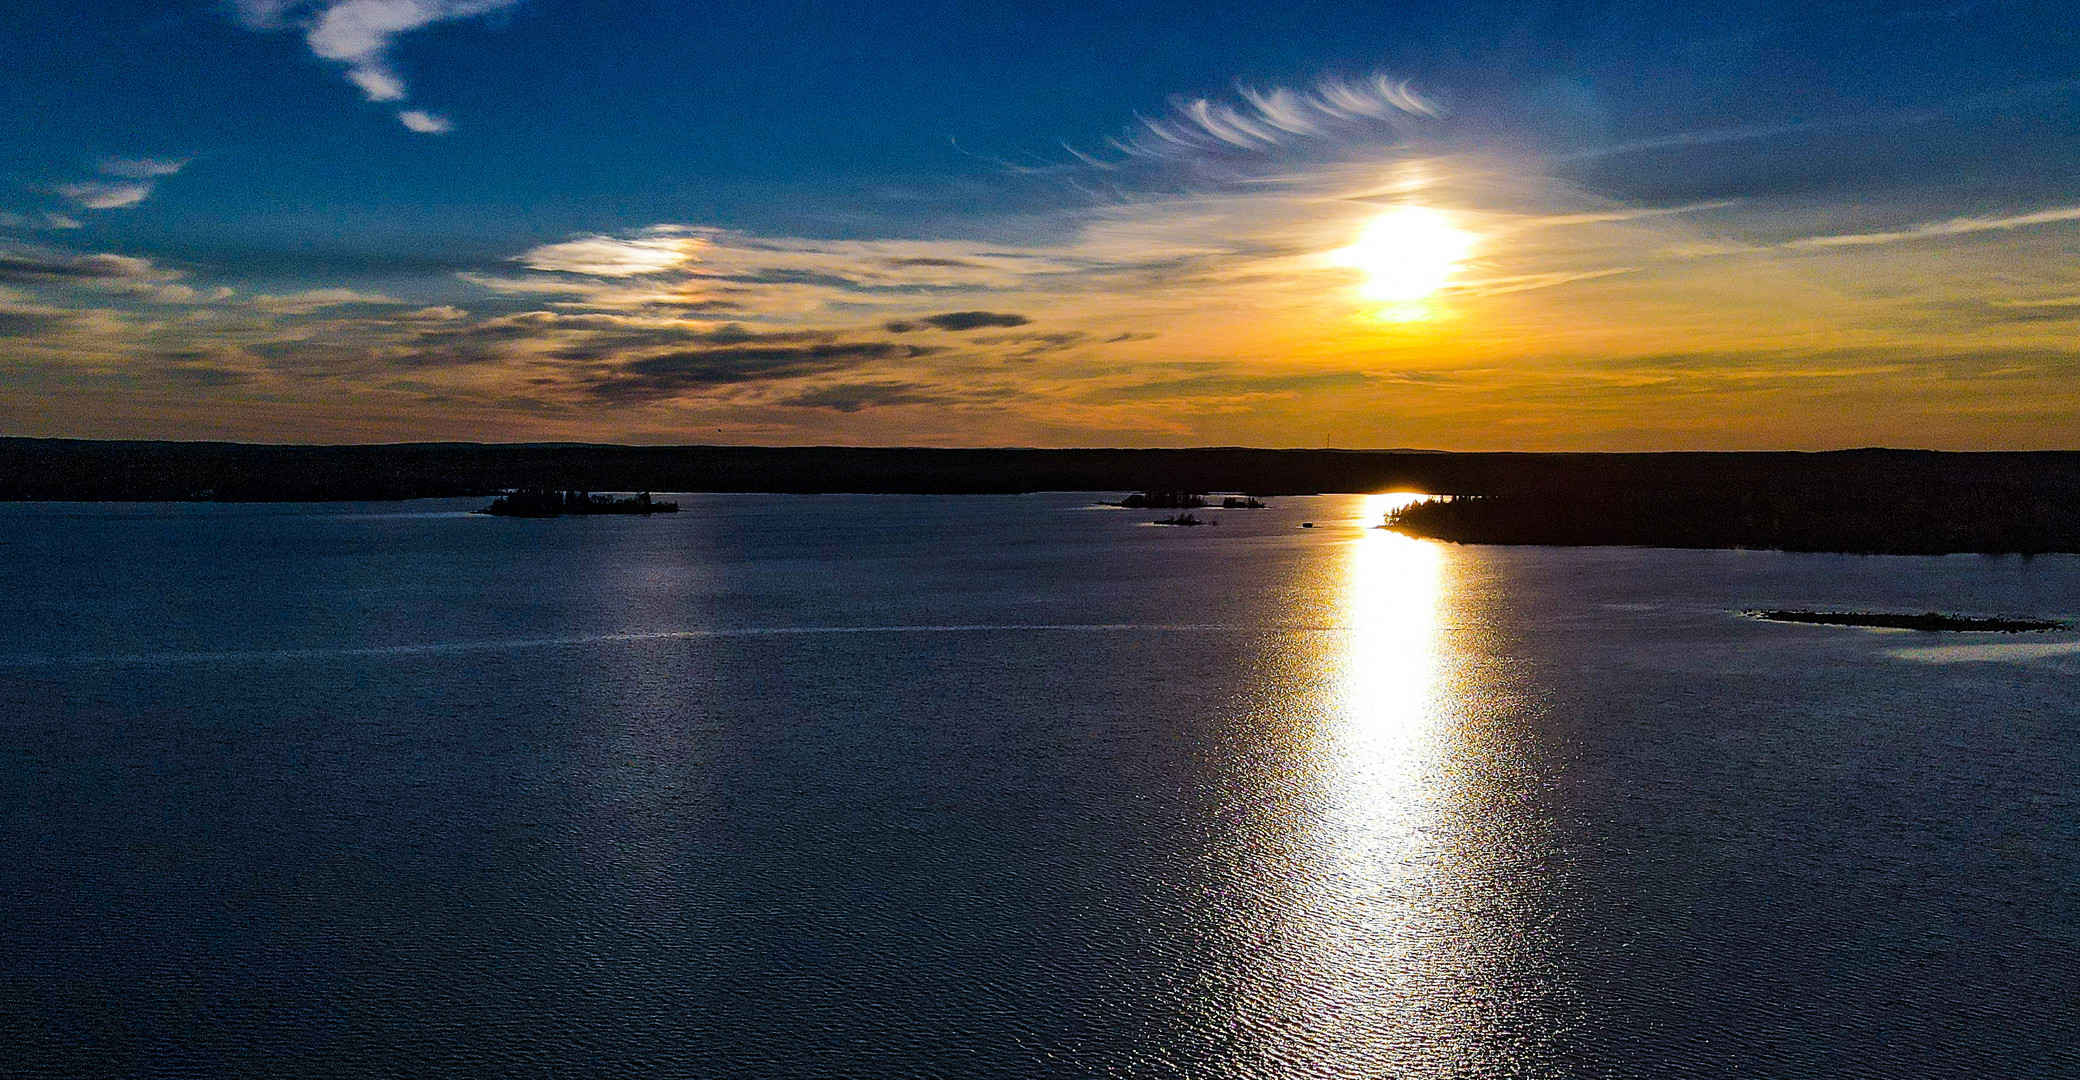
1407,254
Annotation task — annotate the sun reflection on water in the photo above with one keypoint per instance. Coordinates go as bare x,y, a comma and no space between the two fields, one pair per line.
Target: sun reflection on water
1417,946
1383,741
1381,824
1383,966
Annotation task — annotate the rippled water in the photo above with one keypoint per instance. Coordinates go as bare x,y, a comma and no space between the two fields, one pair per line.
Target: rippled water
975,787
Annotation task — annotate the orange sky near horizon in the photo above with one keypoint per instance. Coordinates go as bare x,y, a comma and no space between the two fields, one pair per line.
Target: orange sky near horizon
1400,293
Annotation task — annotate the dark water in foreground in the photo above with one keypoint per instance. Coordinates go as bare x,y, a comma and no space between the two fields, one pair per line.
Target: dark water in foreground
982,787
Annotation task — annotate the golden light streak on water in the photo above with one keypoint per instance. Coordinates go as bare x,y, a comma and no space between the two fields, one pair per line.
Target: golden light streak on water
1368,969
1385,751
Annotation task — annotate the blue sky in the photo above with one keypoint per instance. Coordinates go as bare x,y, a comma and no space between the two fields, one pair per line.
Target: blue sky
1736,225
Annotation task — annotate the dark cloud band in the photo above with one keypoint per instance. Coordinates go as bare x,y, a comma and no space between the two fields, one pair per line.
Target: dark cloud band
958,321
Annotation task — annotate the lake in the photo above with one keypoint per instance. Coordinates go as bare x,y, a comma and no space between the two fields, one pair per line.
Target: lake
849,786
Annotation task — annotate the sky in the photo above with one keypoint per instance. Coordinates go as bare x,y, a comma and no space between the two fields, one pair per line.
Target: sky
1457,226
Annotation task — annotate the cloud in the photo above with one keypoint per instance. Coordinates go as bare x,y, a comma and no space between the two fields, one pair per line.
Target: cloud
310,300
35,266
134,179
1227,385
931,261
1997,312
442,340
853,397
36,221
689,269
1529,282
652,251
960,320
358,34
378,84
677,373
1937,229
424,122
1186,293
1688,139
120,274
1619,215
202,369
2047,302
107,194
25,322
725,257
161,292
141,168
532,286
1265,119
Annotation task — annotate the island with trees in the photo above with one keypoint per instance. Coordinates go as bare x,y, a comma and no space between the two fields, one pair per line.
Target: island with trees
542,504
1927,620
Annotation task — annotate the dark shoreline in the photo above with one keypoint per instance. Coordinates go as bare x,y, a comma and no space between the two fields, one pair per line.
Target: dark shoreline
1873,500
1934,621
1912,512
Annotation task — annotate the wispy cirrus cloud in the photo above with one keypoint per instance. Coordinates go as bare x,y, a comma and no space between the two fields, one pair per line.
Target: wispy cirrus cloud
1260,119
778,279
126,182
358,34
142,168
1933,230
728,257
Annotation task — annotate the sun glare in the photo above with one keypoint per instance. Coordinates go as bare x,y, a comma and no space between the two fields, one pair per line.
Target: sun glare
1407,254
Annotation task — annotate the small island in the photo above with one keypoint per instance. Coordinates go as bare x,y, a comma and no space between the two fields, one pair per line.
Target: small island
1162,500
1243,502
1929,620
538,503
1180,519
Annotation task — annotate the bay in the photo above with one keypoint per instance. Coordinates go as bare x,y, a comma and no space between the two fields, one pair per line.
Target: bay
1015,786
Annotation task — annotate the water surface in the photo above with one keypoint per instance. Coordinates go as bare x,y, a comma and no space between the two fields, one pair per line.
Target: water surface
880,786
